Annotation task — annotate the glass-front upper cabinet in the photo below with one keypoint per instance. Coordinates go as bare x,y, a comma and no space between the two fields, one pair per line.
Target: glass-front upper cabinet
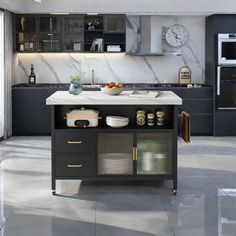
49,38
73,33
154,153
25,33
93,34
115,154
49,24
114,23
114,33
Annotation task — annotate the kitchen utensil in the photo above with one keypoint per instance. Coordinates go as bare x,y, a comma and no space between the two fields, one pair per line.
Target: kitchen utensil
140,117
117,121
147,161
150,119
111,91
160,118
82,118
115,163
161,164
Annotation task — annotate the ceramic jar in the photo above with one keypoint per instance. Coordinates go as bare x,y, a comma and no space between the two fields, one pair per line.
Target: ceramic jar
140,117
160,118
150,119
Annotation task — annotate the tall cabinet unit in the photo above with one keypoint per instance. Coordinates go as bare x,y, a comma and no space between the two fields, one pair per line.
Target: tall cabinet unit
223,122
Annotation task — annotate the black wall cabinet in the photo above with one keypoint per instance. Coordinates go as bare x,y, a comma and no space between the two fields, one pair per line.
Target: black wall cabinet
69,33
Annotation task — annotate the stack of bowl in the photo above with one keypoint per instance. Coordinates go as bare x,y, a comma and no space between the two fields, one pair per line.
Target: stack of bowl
117,121
115,163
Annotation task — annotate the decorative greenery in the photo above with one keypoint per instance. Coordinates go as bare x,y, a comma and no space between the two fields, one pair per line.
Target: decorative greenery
75,78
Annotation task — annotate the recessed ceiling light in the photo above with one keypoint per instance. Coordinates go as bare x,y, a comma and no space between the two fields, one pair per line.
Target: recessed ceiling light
38,1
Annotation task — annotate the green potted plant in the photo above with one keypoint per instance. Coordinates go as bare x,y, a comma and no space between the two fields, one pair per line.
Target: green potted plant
75,84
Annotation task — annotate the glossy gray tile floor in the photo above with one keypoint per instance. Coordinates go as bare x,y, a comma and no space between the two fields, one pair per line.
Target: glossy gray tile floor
205,203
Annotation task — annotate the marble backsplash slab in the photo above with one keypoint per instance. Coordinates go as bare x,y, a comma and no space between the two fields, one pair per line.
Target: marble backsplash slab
57,67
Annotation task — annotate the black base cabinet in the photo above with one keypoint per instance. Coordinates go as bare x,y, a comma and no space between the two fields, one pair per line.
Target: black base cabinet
31,115
105,153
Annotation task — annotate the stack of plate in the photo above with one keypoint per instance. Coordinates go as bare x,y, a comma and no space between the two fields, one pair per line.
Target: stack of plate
117,121
115,163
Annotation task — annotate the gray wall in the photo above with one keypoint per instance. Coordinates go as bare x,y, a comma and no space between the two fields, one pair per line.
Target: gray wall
126,6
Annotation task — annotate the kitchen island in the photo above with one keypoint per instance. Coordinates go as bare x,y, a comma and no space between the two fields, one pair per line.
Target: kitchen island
104,153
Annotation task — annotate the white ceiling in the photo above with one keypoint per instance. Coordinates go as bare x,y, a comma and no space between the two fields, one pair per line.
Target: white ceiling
122,6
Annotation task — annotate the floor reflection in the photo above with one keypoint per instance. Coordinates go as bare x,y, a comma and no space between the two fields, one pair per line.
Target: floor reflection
205,203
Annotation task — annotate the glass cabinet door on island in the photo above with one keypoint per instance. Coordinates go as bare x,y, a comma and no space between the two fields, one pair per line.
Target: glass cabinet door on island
25,33
115,154
154,153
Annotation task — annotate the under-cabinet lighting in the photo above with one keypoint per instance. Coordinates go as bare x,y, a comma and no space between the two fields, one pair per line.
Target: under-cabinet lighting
92,13
59,13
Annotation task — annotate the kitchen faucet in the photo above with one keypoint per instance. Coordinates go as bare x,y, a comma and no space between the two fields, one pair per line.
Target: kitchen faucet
93,78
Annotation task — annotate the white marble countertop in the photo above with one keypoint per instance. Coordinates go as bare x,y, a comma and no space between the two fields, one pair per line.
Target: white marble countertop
99,98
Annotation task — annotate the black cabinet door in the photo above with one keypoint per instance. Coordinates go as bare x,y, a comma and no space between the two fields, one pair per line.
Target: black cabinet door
30,114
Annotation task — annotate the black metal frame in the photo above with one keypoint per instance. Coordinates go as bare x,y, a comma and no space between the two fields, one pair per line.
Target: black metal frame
172,128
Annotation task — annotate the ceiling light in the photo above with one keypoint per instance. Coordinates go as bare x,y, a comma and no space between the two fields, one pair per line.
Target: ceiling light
38,1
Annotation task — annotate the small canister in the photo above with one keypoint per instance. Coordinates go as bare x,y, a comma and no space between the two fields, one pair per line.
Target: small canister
150,119
160,118
140,117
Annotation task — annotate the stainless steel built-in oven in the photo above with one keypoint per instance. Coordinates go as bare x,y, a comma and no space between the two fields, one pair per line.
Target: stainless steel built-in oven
226,87
226,49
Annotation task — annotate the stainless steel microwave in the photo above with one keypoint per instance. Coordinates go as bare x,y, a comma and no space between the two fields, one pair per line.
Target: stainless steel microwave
227,49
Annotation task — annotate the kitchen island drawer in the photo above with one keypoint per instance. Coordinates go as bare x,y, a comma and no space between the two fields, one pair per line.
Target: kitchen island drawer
69,141
82,164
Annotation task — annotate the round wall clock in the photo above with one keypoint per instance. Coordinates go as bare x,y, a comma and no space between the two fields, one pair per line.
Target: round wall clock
177,35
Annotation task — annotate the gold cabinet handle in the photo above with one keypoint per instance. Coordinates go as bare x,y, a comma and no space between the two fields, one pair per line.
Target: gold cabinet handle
135,154
74,166
74,142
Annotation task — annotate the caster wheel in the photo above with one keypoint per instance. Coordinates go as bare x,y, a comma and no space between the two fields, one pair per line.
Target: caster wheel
174,192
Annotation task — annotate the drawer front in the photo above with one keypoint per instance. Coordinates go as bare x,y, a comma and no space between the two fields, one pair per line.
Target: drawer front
69,142
82,164
198,106
194,93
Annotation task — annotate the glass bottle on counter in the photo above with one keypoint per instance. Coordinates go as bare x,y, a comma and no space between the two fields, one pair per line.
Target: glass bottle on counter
32,76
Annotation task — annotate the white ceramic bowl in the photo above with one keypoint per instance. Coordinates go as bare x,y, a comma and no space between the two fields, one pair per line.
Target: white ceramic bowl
111,91
117,121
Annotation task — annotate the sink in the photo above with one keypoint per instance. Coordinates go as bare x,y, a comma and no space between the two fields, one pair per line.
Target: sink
91,86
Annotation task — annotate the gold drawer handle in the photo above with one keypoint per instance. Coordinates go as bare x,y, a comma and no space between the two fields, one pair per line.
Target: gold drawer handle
74,166
74,142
